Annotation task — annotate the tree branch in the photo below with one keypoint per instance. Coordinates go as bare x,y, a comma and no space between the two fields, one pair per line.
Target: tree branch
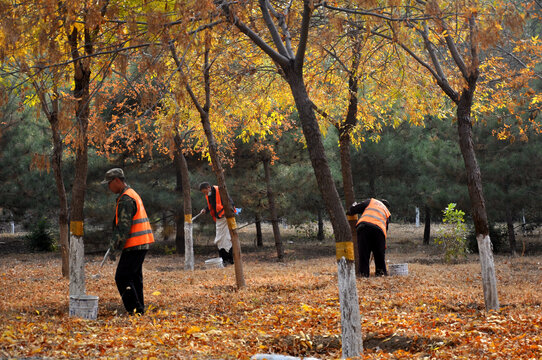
233,19
284,26
458,59
264,6
186,84
304,35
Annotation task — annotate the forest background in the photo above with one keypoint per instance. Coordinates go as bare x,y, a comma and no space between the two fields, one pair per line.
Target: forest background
384,92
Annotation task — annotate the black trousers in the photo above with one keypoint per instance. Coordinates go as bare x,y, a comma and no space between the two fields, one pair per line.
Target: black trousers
371,240
129,279
227,256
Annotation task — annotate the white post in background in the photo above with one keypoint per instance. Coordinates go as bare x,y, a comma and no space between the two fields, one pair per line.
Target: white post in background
417,216
12,227
523,215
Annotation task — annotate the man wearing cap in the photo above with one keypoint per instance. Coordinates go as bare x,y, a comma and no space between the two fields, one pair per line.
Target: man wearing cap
372,228
132,233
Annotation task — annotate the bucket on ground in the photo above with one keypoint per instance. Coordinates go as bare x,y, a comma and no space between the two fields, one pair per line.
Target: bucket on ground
398,269
84,306
214,263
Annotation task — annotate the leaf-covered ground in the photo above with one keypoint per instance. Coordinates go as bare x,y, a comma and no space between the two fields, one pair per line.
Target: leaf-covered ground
436,312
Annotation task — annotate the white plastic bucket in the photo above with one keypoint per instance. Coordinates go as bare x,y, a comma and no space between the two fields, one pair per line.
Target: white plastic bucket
84,306
398,269
214,263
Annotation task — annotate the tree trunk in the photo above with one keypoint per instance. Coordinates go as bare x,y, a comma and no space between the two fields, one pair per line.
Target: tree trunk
179,231
180,213
259,237
427,227
56,164
224,195
272,209
348,188
479,215
345,129
187,201
82,95
511,233
348,297
320,235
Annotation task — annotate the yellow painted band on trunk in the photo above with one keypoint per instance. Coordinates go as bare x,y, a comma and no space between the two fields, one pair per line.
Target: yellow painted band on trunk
188,218
352,217
76,228
232,225
345,249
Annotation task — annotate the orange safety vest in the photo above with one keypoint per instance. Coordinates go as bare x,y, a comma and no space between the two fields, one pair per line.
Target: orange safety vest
377,214
140,232
219,206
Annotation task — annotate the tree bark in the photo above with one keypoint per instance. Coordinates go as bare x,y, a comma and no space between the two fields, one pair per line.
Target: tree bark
224,195
180,213
187,202
320,234
348,188
292,69
348,297
511,233
479,214
427,227
81,93
203,111
272,209
345,128
259,237
56,163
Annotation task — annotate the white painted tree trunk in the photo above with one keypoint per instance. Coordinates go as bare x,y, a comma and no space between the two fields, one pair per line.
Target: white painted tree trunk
417,217
489,280
352,342
188,246
77,266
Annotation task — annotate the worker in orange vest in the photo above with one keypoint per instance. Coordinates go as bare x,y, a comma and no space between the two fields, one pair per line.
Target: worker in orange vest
133,234
372,230
216,209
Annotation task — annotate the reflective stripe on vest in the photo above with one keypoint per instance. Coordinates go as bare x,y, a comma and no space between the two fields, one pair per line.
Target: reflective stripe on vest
219,208
140,232
377,214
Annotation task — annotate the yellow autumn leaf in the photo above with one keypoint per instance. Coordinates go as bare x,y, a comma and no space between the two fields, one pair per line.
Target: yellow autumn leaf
156,293
193,329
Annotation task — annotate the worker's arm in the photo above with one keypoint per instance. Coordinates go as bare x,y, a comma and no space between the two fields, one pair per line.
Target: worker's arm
126,211
358,208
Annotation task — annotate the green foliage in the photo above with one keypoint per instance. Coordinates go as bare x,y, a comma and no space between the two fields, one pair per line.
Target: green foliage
452,237
498,235
41,237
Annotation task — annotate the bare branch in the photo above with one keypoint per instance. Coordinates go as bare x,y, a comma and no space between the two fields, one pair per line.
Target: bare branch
284,26
458,59
264,6
232,18
304,35
186,84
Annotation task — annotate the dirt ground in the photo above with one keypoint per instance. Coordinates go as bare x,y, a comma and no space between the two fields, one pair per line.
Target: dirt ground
435,312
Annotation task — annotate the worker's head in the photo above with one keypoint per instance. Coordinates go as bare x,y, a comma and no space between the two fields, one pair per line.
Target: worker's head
205,188
385,202
114,178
